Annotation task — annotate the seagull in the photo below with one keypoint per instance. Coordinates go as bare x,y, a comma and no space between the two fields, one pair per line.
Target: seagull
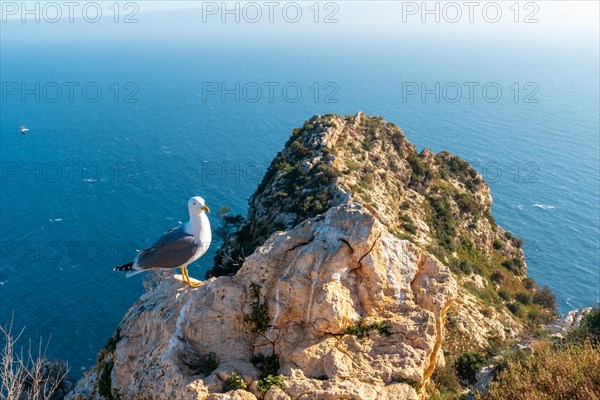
23,129
178,247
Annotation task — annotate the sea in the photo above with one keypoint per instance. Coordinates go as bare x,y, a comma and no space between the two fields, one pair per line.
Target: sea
131,115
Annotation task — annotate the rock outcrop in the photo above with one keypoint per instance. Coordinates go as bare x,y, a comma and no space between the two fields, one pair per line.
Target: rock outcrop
361,267
565,324
436,201
351,311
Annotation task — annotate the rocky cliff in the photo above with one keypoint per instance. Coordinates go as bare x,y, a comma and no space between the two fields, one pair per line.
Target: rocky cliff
361,267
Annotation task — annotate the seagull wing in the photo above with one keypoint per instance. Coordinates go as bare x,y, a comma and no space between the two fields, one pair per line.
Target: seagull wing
172,250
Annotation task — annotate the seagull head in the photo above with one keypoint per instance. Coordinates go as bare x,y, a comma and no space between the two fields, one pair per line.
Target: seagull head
197,206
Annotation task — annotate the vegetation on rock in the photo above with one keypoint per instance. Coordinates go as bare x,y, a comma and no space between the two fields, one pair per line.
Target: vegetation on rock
259,314
267,382
362,330
206,364
234,382
559,371
468,364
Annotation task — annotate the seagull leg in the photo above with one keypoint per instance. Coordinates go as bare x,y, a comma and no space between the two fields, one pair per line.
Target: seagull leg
184,275
188,280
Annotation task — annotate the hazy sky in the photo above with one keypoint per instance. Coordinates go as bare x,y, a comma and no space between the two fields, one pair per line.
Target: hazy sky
552,19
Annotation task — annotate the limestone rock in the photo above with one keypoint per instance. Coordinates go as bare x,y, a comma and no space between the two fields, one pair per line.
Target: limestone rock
339,271
564,324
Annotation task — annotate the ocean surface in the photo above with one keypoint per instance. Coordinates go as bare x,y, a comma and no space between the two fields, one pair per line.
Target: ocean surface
194,111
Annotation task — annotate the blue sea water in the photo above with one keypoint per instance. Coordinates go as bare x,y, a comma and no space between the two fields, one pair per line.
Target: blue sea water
94,181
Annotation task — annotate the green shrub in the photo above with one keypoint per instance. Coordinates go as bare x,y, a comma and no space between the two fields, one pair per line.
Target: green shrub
523,298
259,315
268,365
443,221
515,265
465,266
497,277
538,317
300,149
206,365
528,283
518,243
361,330
367,144
419,170
234,382
410,382
545,298
504,294
468,364
267,382
410,228
515,308
497,244
467,204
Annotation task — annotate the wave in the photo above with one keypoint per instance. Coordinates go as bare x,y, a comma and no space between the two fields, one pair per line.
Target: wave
543,206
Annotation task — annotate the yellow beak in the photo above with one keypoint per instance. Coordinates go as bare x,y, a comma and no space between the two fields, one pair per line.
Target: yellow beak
205,208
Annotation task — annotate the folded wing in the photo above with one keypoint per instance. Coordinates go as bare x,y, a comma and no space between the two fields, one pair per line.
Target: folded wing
172,250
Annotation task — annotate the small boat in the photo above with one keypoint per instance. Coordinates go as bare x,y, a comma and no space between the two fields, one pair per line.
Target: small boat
23,129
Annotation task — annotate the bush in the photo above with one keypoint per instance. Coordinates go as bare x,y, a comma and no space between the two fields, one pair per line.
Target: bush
504,294
514,265
410,228
265,384
545,298
234,382
444,225
523,298
497,277
497,244
259,315
446,379
515,308
468,364
461,266
528,283
206,365
361,330
467,204
566,372
465,266
537,317
268,365
518,243
419,169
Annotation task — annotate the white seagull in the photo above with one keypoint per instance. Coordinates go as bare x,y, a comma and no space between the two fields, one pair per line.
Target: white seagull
178,247
23,129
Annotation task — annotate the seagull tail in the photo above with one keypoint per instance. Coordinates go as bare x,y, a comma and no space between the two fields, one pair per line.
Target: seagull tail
130,268
124,267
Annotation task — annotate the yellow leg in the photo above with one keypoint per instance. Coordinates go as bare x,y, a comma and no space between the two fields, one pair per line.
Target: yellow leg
186,278
184,275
